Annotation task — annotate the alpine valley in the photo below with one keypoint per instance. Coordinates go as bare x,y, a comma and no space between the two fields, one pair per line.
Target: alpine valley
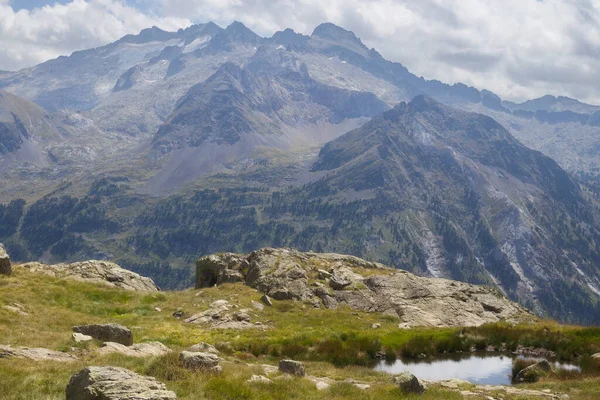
164,147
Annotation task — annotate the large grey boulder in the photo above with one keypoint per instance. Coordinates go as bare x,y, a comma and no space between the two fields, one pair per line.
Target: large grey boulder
102,272
5,266
292,367
107,333
35,354
198,361
408,383
112,383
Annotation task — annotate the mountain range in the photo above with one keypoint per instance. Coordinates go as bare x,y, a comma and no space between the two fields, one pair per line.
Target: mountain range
165,146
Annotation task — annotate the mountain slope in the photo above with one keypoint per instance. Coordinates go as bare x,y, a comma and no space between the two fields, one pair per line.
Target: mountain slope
23,125
483,205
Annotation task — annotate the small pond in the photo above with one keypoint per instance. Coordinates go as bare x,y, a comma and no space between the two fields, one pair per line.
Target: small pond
481,369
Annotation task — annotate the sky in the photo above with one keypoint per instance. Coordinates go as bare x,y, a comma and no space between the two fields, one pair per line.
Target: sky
519,49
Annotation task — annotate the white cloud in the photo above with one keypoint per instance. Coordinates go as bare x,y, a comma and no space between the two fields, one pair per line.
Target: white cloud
516,48
30,37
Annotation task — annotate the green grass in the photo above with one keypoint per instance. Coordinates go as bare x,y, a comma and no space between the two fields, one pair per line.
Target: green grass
338,344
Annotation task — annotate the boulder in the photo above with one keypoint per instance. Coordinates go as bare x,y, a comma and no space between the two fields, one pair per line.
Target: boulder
197,361
107,333
102,272
204,348
35,354
5,266
408,383
150,349
292,367
81,338
534,372
112,383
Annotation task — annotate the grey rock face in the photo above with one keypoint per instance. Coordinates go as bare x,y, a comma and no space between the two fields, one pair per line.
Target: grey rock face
103,272
5,266
112,383
408,383
107,333
373,287
292,367
215,270
198,361
35,354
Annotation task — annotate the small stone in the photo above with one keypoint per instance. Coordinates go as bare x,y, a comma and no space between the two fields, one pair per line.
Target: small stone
292,367
178,313
204,347
322,274
81,338
257,305
362,386
241,316
322,385
157,309
408,383
376,326
266,300
404,325
259,379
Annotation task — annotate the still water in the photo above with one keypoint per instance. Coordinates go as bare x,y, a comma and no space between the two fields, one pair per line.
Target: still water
474,368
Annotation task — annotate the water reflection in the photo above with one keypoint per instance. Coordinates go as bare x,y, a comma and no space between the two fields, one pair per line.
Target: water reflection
480,369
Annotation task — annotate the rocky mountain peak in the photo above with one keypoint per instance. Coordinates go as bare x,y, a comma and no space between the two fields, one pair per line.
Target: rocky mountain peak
289,37
149,35
331,31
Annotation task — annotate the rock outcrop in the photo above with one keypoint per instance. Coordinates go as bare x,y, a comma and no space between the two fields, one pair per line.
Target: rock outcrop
220,315
107,333
151,349
334,279
35,354
5,266
111,383
103,272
